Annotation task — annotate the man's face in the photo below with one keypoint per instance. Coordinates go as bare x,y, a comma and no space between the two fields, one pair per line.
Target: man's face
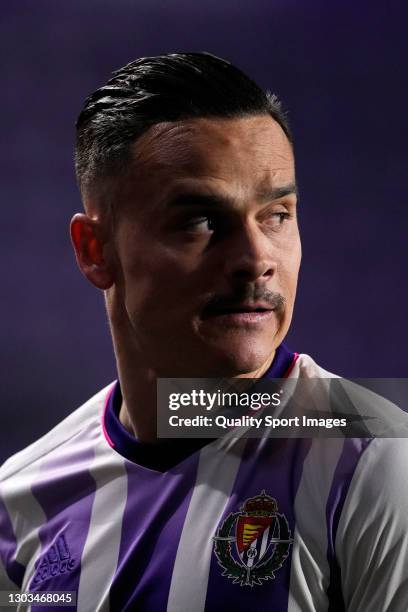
208,245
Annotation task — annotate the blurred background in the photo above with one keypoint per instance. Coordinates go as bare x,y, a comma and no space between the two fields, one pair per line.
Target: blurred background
341,70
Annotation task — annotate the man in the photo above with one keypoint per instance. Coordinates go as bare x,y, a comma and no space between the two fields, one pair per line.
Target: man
187,175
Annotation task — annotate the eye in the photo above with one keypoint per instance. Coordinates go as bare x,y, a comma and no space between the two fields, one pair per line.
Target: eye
200,225
282,216
277,219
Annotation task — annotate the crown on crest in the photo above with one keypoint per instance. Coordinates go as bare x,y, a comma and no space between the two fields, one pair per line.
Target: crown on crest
261,505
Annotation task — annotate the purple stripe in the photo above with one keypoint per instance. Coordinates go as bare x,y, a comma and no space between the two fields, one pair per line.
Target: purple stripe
65,490
152,524
8,548
353,448
275,465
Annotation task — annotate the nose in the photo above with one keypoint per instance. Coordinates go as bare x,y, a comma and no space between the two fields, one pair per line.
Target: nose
249,255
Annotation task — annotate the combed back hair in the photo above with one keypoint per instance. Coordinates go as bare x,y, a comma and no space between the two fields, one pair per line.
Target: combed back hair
151,90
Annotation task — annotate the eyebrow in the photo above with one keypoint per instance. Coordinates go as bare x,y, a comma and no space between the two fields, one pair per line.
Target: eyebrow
201,199
275,193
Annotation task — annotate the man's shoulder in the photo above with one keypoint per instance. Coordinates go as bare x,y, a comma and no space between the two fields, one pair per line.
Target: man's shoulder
306,367
361,401
88,415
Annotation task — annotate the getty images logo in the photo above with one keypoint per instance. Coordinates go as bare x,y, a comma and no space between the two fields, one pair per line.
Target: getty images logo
57,560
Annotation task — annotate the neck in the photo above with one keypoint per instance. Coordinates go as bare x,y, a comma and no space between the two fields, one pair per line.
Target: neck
138,386
141,425
138,413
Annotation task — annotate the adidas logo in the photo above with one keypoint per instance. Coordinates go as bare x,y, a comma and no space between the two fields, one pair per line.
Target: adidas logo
57,560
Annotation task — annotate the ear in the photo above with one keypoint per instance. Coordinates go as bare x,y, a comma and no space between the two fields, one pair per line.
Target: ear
90,250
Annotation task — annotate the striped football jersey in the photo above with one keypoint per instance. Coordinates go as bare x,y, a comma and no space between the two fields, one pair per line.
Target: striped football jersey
289,525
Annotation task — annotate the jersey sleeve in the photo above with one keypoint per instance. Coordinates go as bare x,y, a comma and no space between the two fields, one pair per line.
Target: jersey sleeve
372,537
11,571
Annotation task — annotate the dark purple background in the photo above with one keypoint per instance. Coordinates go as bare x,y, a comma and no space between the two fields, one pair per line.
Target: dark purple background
341,69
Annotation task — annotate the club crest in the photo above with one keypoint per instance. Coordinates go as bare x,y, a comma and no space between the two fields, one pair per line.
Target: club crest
252,544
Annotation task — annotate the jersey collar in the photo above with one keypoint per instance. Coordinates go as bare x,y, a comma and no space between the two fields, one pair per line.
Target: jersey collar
163,456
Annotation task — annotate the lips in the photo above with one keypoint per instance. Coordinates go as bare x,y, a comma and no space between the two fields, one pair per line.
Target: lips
244,316
236,308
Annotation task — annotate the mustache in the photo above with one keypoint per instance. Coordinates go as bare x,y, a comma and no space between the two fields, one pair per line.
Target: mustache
248,293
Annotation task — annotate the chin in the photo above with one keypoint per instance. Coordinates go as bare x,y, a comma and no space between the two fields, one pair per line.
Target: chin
239,360
231,349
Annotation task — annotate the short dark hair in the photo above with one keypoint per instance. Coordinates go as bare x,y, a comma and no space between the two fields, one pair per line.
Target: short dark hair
150,90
